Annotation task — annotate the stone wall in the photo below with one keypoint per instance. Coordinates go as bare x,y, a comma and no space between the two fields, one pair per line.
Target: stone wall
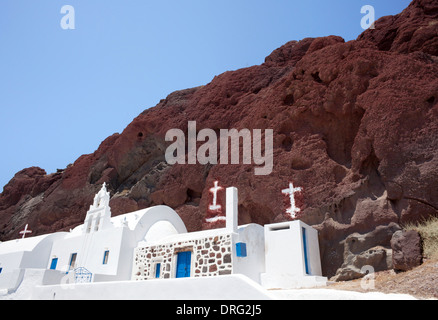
211,256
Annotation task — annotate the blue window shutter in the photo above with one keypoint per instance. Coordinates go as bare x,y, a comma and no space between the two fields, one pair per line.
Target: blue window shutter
241,250
105,257
54,264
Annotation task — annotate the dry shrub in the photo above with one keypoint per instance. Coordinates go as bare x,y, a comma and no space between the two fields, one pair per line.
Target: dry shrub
428,230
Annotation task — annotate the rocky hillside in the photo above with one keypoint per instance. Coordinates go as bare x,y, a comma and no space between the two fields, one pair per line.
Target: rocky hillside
355,126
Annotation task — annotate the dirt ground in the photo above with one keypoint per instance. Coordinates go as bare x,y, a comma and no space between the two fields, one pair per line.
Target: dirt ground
421,282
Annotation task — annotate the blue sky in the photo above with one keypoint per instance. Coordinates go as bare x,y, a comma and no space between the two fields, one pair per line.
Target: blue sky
62,92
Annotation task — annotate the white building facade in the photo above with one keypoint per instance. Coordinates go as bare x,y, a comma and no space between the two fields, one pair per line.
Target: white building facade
153,244
277,256
104,246
217,252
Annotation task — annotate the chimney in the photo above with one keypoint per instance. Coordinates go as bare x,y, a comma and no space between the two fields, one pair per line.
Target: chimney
232,209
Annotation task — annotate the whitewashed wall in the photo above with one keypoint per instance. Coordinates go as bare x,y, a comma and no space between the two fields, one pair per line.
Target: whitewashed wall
254,263
285,257
32,253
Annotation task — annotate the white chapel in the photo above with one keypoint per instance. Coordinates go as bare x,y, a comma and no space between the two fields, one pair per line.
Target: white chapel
147,252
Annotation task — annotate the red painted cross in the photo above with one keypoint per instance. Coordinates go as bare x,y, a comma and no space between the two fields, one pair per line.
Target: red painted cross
25,231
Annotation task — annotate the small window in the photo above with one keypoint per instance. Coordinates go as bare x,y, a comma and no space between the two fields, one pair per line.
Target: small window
54,264
157,271
73,261
105,257
241,250
89,226
1,269
280,228
96,227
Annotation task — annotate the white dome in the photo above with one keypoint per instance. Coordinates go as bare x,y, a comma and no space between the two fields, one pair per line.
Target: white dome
160,230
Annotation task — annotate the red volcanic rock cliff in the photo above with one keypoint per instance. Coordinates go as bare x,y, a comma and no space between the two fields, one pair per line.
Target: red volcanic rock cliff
355,126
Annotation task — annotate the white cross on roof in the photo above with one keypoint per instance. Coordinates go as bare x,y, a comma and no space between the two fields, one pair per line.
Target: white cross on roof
25,231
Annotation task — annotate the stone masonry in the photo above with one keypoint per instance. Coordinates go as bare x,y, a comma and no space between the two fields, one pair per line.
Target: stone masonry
211,256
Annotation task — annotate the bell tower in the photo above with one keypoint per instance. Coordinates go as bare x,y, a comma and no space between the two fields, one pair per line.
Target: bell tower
99,215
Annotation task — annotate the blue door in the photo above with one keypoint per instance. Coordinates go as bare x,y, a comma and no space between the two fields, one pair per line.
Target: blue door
158,271
306,251
183,264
